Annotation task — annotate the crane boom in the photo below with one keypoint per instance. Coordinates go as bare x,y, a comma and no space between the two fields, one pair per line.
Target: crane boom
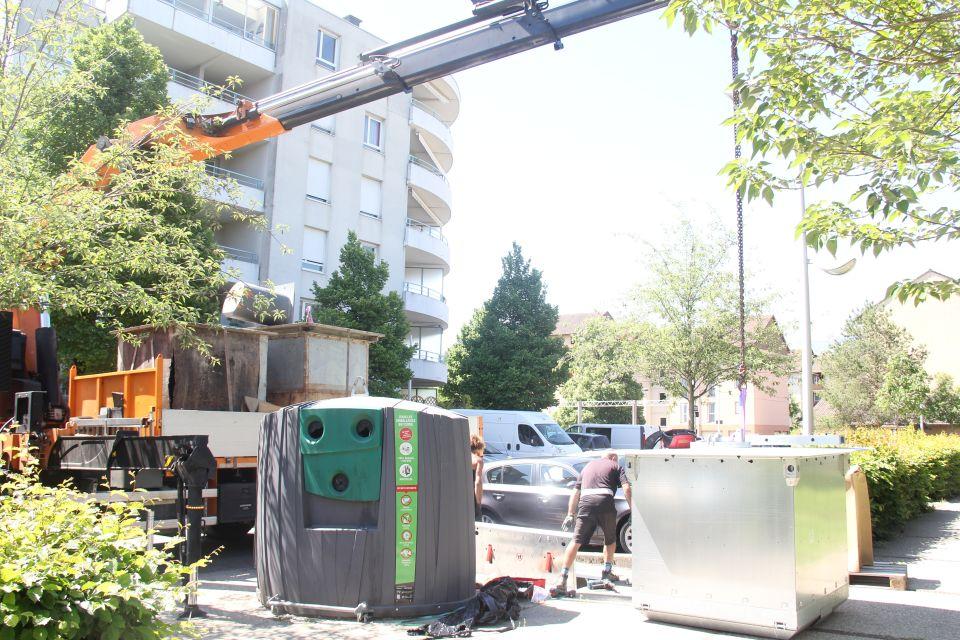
395,69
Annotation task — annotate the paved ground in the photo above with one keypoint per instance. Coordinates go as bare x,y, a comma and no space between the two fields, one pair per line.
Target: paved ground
930,610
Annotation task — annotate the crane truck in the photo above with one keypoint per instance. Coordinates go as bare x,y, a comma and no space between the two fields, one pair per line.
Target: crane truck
129,438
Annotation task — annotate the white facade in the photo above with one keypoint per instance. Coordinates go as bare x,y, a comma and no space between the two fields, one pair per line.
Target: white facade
378,170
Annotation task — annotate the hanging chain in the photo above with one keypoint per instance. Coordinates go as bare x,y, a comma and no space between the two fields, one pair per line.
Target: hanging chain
735,69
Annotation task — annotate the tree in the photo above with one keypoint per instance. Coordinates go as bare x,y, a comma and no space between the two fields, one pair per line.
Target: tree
74,242
863,366
354,298
905,388
943,403
123,78
864,92
689,320
603,366
506,357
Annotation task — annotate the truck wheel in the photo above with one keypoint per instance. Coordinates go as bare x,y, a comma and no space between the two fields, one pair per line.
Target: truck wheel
625,536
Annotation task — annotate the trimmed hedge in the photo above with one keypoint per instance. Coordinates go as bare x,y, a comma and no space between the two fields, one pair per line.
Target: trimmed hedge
906,470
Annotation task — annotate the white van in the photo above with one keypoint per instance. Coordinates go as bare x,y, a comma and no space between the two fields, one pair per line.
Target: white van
523,433
621,436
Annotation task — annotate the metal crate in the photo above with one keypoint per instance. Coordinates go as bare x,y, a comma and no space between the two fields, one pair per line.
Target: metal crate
744,540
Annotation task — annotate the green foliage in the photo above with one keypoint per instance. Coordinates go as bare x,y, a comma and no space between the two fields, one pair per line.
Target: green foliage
943,403
354,298
904,390
796,415
905,470
505,357
73,569
689,329
873,375
120,78
141,246
864,94
603,365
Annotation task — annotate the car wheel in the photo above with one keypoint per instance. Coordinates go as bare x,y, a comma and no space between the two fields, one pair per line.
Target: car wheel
489,517
625,536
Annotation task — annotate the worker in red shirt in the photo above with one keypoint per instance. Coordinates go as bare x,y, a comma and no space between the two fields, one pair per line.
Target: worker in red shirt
592,503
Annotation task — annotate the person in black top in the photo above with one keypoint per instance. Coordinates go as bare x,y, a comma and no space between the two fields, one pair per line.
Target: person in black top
592,503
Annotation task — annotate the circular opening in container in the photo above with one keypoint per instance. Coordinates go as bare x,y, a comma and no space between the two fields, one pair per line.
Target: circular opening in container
364,428
340,482
315,429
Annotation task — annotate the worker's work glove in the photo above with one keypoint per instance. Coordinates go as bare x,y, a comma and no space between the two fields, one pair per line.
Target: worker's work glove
567,523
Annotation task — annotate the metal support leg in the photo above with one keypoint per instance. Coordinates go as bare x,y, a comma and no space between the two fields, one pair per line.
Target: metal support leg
192,550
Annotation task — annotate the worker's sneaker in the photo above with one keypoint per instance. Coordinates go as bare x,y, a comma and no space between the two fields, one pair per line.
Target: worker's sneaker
609,575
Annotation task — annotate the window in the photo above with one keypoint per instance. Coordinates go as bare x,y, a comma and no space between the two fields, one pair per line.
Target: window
517,474
372,248
318,180
554,475
711,413
554,433
663,397
306,304
601,431
371,197
663,422
314,249
325,124
495,475
528,436
327,46
372,132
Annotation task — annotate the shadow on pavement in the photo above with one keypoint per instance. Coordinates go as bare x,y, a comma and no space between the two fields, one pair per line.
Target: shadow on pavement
887,621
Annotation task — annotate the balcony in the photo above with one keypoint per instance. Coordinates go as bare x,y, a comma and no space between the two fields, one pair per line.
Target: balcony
429,369
189,32
250,193
425,305
433,133
194,92
426,246
442,96
430,188
241,264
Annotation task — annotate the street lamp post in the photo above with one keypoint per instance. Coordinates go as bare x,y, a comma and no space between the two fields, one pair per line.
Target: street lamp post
806,368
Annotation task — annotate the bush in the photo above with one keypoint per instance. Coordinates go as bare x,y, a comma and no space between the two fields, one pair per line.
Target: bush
70,568
905,470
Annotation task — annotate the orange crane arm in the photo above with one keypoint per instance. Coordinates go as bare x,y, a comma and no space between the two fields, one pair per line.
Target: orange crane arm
497,30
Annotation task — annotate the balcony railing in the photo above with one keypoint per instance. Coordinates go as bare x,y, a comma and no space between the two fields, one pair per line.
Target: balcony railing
428,356
428,166
423,106
419,289
425,228
262,33
239,254
241,178
207,88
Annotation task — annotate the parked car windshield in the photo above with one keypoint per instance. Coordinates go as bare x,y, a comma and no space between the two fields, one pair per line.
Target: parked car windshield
554,434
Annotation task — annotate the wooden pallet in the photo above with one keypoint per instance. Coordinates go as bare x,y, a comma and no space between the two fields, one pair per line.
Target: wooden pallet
882,574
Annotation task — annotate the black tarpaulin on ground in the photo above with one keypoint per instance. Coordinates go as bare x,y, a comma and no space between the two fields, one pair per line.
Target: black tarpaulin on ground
496,601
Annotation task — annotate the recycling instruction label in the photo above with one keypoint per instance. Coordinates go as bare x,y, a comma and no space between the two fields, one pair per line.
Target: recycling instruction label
406,457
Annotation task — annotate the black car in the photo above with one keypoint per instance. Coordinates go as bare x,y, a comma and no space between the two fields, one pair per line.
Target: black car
590,441
535,492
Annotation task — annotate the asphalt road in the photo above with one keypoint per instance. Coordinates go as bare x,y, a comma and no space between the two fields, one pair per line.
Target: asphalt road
929,610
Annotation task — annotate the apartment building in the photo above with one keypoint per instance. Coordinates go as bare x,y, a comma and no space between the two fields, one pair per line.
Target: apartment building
379,170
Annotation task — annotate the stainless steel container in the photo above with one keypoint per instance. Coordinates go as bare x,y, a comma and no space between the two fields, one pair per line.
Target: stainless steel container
744,540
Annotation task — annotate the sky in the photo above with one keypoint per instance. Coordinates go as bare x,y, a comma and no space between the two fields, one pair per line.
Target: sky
586,155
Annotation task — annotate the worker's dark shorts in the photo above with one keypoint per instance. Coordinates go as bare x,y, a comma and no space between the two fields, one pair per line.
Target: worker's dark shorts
596,511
